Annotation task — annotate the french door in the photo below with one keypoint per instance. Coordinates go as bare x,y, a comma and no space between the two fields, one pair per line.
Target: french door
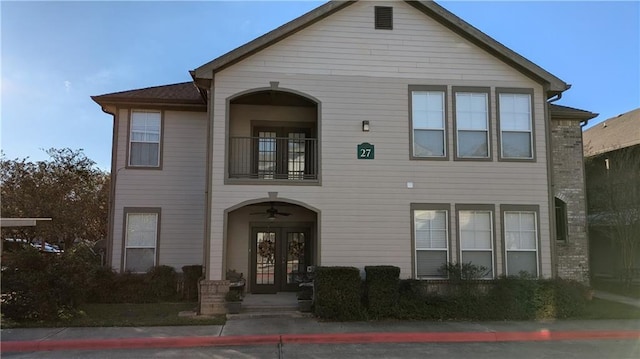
279,257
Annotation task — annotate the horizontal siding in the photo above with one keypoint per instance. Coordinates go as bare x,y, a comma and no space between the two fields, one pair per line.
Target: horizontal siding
358,73
178,189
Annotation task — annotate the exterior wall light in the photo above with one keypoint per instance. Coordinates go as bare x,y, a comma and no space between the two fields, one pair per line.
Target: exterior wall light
365,126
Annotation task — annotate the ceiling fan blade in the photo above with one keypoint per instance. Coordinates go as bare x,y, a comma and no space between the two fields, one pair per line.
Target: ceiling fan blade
282,214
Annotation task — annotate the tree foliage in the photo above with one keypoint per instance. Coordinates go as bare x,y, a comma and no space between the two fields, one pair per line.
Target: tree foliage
68,188
613,192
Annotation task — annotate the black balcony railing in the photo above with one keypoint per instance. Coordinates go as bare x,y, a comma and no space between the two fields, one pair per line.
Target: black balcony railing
273,158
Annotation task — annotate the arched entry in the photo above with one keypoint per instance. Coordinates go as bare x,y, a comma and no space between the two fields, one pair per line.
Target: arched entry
273,242
273,136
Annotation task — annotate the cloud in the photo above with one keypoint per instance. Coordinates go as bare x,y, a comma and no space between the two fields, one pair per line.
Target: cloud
67,85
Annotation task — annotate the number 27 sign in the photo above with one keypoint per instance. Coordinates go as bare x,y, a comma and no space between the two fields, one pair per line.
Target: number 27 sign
366,151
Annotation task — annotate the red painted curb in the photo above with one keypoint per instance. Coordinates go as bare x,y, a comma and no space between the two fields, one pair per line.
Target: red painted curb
324,338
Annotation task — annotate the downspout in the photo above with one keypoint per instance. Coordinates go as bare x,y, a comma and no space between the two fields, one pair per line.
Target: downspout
112,189
551,183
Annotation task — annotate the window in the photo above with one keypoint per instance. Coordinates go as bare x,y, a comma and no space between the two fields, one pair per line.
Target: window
428,113
561,220
383,18
521,242
472,124
144,146
516,126
476,239
431,235
141,240
284,153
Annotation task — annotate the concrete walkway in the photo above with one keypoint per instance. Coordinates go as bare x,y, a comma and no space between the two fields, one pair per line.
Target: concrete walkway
617,298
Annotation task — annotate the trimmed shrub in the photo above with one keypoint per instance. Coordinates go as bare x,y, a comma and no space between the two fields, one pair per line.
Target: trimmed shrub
382,290
338,293
191,275
163,282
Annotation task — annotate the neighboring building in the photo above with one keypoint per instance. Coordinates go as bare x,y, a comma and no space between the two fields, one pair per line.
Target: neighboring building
612,161
361,133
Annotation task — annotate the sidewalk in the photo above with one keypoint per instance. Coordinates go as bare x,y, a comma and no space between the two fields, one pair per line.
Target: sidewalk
617,298
272,331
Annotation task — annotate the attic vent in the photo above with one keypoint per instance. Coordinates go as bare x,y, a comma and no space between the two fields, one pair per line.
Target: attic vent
384,17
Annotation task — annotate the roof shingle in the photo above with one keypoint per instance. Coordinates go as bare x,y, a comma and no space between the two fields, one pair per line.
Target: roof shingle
614,133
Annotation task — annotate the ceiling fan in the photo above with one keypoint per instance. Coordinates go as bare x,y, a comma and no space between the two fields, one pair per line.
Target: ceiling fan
272,212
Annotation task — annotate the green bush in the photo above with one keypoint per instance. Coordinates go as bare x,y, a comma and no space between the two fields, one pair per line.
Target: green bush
338,293
163,282
44,286
382,290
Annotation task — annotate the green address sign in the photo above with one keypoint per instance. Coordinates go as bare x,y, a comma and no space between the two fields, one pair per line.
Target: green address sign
366,151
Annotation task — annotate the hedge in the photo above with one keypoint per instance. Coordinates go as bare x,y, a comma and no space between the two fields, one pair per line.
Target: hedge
338,293
381,286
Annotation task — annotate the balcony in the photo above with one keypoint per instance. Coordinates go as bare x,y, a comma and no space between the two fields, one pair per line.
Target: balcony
270,158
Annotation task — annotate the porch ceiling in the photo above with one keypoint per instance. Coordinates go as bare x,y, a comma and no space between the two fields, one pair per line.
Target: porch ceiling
273,98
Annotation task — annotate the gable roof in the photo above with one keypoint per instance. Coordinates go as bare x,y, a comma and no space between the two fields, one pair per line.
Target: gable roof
429,7
614,133
180,94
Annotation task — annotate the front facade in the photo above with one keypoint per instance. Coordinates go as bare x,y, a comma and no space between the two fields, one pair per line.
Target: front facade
362,133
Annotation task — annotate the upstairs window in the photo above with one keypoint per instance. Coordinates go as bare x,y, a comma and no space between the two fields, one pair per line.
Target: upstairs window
384,18
472,125
428,113
516,125
144,145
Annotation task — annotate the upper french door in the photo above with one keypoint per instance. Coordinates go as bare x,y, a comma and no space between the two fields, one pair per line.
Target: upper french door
284,153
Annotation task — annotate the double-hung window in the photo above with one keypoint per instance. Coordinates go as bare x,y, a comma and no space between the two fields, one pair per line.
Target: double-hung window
144,139
476,239
521,241
431,235
472,123
516,125
428,121
141,239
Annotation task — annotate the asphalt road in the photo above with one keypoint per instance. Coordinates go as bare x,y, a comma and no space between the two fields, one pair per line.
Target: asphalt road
579,349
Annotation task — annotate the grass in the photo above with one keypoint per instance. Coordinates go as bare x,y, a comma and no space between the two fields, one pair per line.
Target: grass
125,315
617,287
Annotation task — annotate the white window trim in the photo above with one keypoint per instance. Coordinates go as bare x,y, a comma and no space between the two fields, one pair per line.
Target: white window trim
486,130
429,89
507,250
493,264
530,131
131,141
126,238
415,239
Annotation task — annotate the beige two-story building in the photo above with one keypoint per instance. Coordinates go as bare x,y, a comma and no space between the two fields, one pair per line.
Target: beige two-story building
360,133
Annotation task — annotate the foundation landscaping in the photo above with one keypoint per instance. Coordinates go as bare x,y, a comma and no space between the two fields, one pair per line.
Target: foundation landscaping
72,289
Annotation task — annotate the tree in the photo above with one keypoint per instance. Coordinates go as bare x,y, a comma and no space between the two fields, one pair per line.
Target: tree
68,188
613,192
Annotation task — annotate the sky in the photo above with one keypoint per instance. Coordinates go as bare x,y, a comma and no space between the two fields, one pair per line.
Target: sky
55,55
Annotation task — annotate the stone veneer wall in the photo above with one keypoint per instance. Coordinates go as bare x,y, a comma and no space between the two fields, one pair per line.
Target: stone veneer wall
572,255
212,296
